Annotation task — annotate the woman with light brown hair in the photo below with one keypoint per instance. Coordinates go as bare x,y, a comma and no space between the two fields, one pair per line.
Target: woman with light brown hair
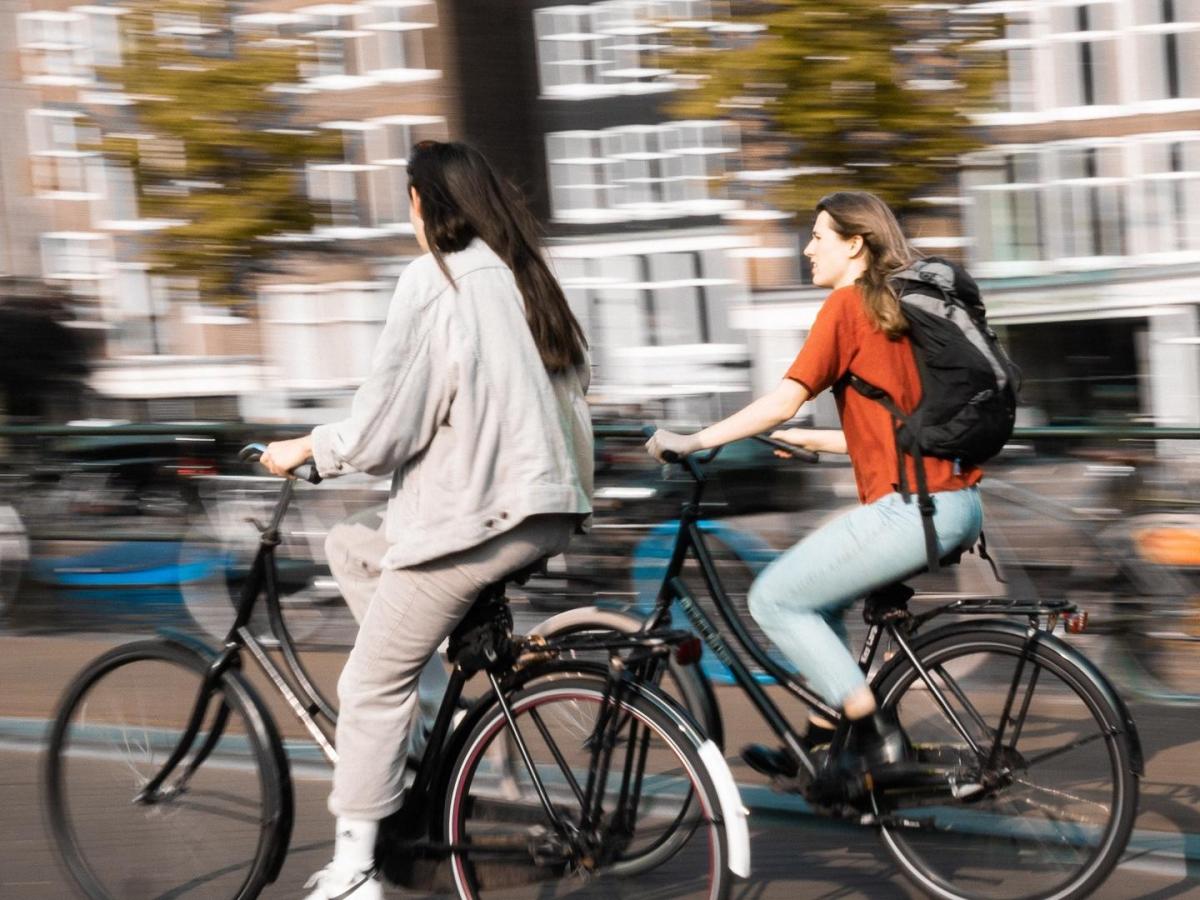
857,249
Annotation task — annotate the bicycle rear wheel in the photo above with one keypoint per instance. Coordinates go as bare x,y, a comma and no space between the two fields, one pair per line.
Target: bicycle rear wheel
505,840
1050,817
216,833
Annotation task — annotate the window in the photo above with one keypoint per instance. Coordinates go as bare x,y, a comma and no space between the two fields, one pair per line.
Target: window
60,167
387,146
192,35
1166,34
75,256
1086,56
369,188
640,294
336,189
1088,198
54,48
1168,194
640,171
104,33
399,28
614,47
1018,92
336,42
1006,205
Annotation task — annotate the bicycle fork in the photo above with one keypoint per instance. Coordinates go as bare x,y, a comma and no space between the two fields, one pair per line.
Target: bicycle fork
208,690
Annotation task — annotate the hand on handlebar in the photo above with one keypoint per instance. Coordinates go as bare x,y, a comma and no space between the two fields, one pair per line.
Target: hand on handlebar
283,457
664,444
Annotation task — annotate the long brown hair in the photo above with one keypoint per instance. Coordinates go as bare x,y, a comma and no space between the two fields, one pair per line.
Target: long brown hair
888,252
462,198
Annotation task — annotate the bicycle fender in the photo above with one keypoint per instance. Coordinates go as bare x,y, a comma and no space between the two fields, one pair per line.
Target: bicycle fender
1124,720
733,812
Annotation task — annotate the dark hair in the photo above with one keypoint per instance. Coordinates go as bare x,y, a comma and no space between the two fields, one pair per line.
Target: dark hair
461,199
888,252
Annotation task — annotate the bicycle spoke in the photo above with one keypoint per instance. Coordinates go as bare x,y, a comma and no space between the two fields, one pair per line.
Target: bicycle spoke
552,745
1043,822
1032,761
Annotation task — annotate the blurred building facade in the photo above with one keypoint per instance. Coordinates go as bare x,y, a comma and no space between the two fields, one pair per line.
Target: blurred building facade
1084,213
371,72
1082,217
568,100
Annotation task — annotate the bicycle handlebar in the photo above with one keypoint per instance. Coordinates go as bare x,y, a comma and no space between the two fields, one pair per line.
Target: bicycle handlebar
253,452
670,456
808,456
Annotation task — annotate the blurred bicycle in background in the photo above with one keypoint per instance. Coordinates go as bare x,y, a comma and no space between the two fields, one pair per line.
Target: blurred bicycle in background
106,528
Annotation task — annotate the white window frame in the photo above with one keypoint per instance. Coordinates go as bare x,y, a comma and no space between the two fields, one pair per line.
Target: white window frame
54,48
76,256
398,29
609,48
638,172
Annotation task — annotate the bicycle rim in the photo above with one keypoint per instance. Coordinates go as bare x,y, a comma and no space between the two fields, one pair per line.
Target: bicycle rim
1056,824
509,842
212,837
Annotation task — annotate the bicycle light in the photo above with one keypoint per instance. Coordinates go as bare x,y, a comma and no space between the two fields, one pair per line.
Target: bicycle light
687,651
1075,622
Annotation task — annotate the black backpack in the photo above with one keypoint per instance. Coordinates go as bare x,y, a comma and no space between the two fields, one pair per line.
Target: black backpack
968,384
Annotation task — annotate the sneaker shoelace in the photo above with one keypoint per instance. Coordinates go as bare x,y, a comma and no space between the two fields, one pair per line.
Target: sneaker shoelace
329,871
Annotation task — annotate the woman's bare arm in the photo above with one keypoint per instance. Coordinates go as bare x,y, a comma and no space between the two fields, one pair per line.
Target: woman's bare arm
764,414
819,440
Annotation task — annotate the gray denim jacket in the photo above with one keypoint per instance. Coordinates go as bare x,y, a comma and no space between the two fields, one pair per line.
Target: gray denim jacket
460,408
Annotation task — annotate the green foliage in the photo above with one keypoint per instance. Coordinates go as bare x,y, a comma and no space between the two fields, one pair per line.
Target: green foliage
212,143
862,94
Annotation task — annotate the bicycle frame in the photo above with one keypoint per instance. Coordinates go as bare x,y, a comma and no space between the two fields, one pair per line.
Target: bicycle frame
296,686
690,539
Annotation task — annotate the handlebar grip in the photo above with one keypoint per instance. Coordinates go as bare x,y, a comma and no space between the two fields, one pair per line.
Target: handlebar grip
312,476
253,453
671,456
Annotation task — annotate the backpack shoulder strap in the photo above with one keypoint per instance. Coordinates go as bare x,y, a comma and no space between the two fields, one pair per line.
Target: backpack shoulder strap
924,499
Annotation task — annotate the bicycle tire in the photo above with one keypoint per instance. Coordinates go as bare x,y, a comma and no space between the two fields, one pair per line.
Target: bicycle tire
518,816
965,848
113,729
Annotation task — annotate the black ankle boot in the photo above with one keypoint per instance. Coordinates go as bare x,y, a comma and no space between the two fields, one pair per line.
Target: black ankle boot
878,746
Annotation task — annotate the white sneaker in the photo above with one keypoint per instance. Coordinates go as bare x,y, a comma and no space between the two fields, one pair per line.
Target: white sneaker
335,883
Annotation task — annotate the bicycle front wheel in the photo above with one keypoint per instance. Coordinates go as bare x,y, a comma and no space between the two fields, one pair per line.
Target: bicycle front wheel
1045,810
612,805
215,832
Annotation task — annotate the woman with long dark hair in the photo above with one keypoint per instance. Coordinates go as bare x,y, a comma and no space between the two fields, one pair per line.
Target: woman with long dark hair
857,250
475,405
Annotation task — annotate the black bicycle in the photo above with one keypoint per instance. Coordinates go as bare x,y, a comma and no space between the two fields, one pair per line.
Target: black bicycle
166,775
1030,759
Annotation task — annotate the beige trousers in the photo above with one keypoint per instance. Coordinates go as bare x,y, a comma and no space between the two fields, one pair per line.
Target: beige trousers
402,620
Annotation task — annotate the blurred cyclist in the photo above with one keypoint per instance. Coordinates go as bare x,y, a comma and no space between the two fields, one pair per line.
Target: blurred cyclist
856,248
475,401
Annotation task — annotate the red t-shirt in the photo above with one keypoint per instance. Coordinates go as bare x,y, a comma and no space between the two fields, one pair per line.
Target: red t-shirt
843,340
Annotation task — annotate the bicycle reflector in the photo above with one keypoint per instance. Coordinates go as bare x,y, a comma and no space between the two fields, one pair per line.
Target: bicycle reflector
1075,622
687,651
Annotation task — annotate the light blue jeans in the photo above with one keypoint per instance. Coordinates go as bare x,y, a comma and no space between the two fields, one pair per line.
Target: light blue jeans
798,600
